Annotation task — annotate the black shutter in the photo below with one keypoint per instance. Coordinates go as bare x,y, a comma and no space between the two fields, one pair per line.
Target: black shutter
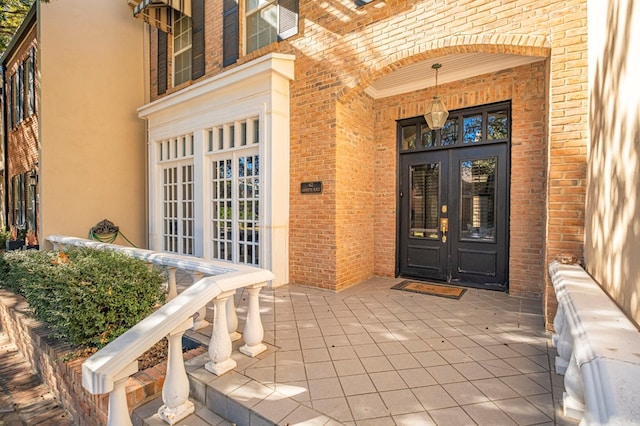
288,10
197,34
230,32
162,62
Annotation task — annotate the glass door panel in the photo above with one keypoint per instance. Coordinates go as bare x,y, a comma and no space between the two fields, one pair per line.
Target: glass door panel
477,199
425,199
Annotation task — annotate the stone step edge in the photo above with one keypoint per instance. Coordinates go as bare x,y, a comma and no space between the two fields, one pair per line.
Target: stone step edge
242,400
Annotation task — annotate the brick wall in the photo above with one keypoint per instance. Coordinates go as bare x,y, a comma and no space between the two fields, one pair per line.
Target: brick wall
22,141
342,49
50,358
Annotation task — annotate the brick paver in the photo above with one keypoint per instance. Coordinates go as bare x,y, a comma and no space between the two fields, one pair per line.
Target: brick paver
24,399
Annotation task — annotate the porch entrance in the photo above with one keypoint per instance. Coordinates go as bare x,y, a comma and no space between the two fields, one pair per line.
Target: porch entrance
454,198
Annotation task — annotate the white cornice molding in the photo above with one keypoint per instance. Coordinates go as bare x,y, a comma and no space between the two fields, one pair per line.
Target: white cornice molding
277,63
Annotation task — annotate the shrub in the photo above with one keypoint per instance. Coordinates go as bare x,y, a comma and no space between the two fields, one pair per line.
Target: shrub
88,297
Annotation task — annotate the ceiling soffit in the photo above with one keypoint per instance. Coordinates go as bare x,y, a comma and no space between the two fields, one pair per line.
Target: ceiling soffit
454,67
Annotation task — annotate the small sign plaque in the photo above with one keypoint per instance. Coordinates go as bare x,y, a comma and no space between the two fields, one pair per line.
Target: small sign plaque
311,187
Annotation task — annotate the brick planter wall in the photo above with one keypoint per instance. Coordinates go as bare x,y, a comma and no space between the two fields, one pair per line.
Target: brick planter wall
64,378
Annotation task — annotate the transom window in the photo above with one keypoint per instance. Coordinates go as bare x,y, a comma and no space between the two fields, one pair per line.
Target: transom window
261,23
490,124
181,48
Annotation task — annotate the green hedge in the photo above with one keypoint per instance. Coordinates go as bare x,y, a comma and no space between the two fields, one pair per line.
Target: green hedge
88,297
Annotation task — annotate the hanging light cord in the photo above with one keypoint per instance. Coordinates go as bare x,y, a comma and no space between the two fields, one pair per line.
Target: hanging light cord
436,67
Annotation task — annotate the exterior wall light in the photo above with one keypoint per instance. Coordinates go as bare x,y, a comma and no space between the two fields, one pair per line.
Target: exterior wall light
437,113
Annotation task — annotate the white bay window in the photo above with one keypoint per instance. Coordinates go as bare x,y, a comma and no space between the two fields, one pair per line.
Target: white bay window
219,167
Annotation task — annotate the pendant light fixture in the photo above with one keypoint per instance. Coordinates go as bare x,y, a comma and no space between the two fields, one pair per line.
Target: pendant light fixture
437,113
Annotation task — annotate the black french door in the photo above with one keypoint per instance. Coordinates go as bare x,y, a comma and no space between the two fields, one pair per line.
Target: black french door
453,210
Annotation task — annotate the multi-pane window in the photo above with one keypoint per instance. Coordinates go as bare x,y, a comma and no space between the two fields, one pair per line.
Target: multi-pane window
479,126
21,91
19,201
248,184
30,82
261,23
182,43
178,215
12,102
222,209
235,191
20,94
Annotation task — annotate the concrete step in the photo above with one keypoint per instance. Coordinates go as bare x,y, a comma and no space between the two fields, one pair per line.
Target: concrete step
146,415
235,399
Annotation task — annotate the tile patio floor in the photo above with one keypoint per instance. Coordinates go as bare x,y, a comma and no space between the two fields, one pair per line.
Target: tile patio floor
372,355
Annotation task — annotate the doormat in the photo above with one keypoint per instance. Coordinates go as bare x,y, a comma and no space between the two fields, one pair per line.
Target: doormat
431,289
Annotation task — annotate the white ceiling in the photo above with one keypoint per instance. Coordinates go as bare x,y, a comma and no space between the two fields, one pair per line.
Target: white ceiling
454,67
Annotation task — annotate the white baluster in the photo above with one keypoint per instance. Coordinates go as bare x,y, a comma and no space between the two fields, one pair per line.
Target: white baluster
232,319
253,332
558,325
175,391
564,345
220,344
200,322
118,412
573,398
173,288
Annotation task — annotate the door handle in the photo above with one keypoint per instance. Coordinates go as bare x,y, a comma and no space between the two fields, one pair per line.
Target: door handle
444,228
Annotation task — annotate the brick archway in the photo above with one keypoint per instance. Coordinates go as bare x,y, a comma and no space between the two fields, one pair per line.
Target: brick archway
513,44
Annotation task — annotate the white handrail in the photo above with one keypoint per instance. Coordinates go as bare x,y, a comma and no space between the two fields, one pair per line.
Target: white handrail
106,370
99,370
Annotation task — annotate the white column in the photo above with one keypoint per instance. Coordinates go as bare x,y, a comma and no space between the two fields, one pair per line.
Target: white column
220,344
200,322
175,391
253,331
232,319
172,290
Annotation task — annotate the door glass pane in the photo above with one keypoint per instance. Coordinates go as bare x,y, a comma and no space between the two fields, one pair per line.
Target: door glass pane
473,128
477,199
497,125
428,139
425,185
409,138
449,132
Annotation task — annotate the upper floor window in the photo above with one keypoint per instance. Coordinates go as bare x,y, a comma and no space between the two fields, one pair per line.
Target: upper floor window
261,23
181,48
21,91
31,82
267,21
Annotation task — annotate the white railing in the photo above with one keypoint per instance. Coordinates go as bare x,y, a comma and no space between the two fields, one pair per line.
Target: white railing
598,351
108,370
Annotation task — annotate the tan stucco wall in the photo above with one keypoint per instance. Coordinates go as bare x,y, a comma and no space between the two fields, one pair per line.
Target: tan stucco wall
92,156
612,243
